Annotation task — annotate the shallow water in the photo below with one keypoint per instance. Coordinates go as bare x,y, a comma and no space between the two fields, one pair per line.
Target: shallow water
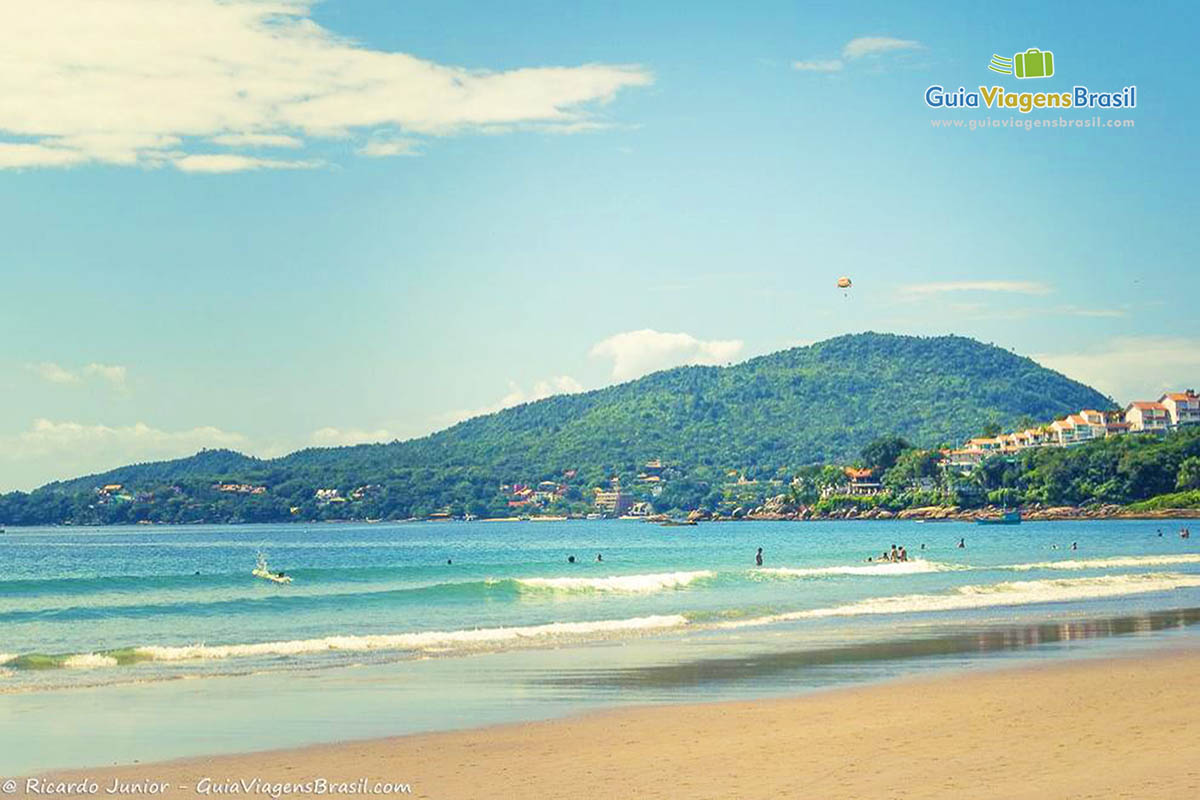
379,635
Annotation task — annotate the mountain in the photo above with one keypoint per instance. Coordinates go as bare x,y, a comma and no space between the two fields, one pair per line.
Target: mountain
801,406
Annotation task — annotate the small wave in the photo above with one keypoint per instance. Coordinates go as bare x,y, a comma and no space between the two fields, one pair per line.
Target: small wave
7,657
634,584
1115,562
427,640
89,661
883,568
1011,593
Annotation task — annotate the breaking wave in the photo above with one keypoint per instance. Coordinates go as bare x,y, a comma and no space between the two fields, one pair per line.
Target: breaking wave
1115,562
883,569
1010,593
635,584
426,641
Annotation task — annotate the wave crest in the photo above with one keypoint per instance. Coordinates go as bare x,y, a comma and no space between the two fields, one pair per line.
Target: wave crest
632,584
883,568
1010,593
1114,562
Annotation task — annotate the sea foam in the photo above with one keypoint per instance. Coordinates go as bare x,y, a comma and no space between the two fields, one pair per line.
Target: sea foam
430,641
1115,562
635,584
882,569
1011,593
88,661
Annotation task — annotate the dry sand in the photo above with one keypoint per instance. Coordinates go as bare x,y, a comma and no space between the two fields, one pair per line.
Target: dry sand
1127,727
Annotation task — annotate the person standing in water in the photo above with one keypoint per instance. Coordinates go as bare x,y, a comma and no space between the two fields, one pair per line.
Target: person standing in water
962,542
758,557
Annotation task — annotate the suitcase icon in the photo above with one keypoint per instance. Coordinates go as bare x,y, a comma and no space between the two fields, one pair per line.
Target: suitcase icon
1034,63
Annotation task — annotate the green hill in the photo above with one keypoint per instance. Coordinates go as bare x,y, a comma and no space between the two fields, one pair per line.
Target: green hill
773,413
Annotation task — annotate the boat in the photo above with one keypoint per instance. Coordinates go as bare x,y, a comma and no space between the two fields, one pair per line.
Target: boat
261,570
678,523
1007,518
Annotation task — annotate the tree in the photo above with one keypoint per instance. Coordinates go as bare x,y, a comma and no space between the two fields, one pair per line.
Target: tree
911,469
881,454
1189,474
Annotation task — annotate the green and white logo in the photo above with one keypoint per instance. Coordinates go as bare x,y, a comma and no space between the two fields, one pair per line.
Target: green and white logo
1033,63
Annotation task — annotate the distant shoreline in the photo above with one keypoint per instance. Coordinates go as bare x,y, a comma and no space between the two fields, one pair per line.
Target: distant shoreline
931,514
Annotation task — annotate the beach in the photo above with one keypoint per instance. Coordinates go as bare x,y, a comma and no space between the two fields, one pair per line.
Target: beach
1111,727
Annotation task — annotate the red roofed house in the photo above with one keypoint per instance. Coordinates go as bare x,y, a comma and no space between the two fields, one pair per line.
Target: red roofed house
1183,408
1147,417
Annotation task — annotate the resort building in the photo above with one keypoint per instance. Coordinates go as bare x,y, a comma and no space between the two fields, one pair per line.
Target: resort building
1147,417
1183,408
613,502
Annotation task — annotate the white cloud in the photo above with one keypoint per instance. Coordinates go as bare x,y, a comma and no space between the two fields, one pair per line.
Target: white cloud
560,384
14,155
141,82
337,437
873,45
855,49
112,373
257,140
819,65
1015,287
381,148
56,373
229,162
636,353
1132,367
51,450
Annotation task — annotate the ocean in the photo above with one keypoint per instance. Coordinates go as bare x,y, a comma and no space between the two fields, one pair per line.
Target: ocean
141,643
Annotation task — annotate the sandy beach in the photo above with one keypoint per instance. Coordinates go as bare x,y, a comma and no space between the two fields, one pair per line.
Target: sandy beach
1124,727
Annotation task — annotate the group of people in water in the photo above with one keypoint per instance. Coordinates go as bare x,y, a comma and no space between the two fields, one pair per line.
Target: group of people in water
896,554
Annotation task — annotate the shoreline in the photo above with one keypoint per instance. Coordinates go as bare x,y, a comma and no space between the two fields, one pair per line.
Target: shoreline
921,514
1090,727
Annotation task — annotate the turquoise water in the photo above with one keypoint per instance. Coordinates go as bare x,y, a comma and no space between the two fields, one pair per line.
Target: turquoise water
378,634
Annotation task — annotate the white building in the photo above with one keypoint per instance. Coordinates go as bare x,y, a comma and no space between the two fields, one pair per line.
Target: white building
1147,417
1183,408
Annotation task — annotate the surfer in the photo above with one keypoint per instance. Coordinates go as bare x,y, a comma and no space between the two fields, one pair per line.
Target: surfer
758,557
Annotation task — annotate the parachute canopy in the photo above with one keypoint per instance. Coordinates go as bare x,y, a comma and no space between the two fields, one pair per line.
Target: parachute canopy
844,283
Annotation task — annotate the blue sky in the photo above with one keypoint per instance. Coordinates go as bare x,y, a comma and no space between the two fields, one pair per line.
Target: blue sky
351,221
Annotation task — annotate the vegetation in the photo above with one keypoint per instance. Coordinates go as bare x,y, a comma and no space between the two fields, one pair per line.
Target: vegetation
732,435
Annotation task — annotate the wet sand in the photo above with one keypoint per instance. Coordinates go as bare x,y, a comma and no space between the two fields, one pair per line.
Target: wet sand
1123,727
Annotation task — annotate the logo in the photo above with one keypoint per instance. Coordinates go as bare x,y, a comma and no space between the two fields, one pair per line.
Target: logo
1033,63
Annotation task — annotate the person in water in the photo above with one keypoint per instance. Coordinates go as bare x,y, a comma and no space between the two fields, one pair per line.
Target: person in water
1074,545
570,559
758,557
895,554
599,557
903,553
962,542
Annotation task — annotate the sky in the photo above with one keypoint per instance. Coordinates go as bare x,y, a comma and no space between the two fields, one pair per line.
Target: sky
274,225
